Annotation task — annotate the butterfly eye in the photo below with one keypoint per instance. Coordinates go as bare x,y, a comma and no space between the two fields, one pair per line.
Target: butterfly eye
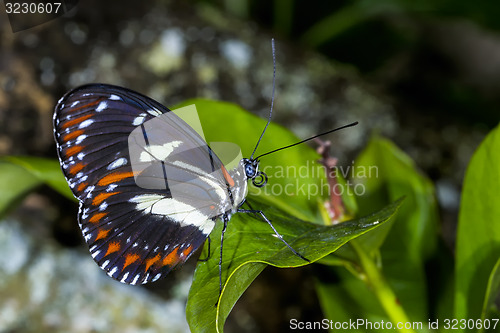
250,171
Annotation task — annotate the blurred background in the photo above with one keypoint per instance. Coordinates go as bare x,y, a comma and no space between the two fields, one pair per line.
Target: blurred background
425,74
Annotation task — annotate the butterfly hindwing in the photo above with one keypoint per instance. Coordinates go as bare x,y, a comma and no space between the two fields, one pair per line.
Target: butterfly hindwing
129,241
135,234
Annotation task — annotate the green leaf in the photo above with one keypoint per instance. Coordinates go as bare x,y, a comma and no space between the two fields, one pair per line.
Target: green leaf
347,299
412,238
296,180
478,239
384,173
47,170
250,245
19,175
15,182
492,290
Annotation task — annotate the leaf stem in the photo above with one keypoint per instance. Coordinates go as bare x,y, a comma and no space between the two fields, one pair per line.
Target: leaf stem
382,290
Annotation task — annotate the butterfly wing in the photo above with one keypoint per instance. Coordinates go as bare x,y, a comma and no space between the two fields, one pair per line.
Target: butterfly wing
137,234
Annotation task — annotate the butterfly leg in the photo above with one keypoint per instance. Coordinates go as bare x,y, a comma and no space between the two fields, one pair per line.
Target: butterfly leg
255,212
274,229
225,219
208,256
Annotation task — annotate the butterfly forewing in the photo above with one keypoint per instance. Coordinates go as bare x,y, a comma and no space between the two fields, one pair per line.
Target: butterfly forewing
138,222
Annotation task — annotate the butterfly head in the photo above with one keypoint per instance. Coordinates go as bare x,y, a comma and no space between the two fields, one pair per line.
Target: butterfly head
259,178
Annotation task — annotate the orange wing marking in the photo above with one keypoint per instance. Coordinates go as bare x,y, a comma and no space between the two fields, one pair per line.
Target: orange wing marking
81,187
171,258
114,177
97,217
228,178
87,105
187,250
130,259
73,150
75,168
152,261
75,121
113,247
72,135
102,234
101,197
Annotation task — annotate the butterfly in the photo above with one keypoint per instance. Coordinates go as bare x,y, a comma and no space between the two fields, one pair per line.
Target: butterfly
138,233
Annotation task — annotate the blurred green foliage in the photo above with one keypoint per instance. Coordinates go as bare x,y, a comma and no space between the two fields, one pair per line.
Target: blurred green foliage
478,236
391,269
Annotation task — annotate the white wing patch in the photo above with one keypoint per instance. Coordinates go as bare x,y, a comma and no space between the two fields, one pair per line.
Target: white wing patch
111,188
125,276
139,120
103,206
154,112
85,123
208,178
102,106
179,211
80,138
105,264
113,271
157,152
118,163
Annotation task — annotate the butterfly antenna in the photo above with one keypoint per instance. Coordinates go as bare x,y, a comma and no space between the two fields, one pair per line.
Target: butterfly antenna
312,137
272,99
